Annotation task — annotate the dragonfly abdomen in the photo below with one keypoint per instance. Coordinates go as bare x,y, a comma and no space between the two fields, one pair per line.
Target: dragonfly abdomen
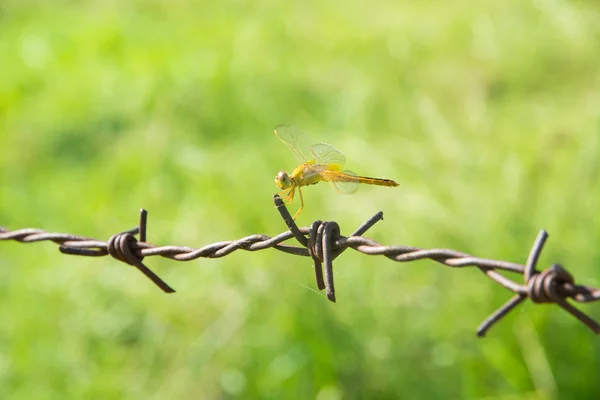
377,181
347,176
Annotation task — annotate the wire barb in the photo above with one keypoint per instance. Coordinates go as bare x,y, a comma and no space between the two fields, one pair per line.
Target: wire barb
123,247
323,243
322,237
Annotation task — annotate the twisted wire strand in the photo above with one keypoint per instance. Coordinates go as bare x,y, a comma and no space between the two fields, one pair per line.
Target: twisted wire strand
323,242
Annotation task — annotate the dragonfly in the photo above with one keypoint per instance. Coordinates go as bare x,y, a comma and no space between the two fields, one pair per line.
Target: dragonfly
320,162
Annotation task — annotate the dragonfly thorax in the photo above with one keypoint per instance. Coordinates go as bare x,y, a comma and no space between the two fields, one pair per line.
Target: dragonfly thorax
283,180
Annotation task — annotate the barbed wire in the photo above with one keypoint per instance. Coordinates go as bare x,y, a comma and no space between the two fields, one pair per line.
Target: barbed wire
323,242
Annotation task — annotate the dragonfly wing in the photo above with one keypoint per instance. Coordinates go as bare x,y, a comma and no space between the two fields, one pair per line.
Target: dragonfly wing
342,181
293,139
326,154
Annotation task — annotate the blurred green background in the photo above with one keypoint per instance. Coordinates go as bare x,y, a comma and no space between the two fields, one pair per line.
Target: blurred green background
487,114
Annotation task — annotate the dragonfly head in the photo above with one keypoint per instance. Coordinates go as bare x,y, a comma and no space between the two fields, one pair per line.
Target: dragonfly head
282,180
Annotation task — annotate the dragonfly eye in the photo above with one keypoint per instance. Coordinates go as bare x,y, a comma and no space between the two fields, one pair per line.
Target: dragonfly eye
282,180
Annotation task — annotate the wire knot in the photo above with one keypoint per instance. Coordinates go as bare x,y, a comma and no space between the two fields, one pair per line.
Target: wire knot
543,287
322,238
123,246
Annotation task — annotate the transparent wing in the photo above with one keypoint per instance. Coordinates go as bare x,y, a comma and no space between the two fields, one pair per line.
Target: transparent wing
293,139
326,154
342,181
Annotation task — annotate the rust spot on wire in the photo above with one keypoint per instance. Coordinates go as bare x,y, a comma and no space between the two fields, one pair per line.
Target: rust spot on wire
323,242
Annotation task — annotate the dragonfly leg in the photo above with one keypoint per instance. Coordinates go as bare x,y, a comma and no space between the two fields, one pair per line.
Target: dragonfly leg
287,195
301,204
290,196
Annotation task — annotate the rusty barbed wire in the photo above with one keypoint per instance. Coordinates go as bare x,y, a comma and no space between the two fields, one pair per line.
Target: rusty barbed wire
323,242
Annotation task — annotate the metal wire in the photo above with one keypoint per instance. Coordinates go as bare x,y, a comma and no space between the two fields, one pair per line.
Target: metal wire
323,242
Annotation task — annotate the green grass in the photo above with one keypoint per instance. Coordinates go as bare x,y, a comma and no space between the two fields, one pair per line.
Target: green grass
487,114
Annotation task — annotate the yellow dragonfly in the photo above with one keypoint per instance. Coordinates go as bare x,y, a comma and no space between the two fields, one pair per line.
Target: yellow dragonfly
323,162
